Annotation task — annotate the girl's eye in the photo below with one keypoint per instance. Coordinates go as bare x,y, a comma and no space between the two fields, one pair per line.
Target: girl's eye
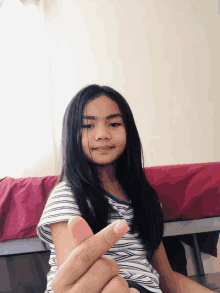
115,124
87,126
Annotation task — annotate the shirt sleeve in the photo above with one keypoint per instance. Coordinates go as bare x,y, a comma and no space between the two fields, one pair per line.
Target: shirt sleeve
61,206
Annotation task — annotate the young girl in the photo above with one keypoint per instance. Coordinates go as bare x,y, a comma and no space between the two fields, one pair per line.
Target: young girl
102,180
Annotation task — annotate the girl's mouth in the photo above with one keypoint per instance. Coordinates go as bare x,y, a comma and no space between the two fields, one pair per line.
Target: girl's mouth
104,148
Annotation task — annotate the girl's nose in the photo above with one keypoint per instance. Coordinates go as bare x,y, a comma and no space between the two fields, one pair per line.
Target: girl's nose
102,132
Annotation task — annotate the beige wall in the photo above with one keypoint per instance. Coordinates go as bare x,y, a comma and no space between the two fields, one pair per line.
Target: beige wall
161,55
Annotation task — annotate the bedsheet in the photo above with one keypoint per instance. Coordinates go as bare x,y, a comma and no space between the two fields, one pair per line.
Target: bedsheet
189,191
21,204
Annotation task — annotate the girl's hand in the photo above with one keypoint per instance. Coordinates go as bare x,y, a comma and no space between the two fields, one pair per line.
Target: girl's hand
86,269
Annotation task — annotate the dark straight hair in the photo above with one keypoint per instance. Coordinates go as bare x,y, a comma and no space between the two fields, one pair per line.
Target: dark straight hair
82,175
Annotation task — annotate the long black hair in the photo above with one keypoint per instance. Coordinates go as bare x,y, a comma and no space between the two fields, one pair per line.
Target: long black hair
82,174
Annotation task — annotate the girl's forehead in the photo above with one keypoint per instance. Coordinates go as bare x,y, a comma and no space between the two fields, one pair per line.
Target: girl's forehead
101,107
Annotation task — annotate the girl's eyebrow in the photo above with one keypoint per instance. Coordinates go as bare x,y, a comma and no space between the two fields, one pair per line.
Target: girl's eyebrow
107,117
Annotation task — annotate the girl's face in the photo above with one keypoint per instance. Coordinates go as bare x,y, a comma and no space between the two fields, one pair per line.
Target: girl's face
103,132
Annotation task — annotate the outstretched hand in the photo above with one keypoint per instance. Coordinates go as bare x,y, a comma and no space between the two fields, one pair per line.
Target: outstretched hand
87,269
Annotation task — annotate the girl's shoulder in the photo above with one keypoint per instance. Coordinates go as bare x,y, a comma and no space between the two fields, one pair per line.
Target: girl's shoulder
61,186
62,191
60,206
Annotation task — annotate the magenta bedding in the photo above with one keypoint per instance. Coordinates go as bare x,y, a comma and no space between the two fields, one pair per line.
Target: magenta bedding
190,191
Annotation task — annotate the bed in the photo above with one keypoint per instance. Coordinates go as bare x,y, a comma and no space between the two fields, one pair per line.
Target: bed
190,196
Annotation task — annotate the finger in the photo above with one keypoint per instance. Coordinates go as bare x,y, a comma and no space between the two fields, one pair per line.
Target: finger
97,276
118,284
79,229
115,285
91,249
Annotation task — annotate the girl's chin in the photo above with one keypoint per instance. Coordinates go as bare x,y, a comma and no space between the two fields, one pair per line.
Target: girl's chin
99,162
102,164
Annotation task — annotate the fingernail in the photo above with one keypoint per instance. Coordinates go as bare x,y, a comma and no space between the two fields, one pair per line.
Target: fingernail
121,227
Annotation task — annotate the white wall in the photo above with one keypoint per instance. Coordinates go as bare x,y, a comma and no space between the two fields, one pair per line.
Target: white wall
26,143
162,56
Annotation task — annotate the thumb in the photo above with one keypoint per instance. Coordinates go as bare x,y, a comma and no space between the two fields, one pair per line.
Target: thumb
79,229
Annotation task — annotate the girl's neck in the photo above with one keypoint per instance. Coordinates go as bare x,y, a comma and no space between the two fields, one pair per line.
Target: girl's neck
107,174
109,182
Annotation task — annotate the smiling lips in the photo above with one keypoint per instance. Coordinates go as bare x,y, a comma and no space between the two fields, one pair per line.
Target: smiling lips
104,148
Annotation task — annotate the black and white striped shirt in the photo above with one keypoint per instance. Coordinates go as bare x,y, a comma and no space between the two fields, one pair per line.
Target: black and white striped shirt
128,252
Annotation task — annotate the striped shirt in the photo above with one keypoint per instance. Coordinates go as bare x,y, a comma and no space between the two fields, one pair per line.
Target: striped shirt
128,252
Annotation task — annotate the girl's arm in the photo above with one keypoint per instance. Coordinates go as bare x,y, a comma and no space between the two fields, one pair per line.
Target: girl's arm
161,264
185,284
170,281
